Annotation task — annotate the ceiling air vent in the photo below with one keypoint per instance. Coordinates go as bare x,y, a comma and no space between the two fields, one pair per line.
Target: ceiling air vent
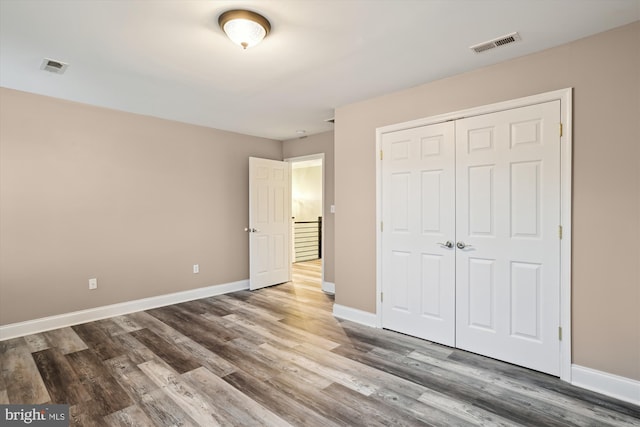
53,66
500,41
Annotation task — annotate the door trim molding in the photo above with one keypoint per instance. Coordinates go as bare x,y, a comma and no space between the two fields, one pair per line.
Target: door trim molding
566,142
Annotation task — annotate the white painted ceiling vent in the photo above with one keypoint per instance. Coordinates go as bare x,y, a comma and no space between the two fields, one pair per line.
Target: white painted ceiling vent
497,42
53,66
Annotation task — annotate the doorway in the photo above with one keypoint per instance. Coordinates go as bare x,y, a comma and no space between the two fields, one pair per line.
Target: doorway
307,207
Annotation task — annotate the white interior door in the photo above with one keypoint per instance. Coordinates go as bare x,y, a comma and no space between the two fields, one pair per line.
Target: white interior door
418,267
269,222
508,247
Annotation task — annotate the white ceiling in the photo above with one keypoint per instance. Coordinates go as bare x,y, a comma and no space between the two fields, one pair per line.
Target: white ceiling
169,59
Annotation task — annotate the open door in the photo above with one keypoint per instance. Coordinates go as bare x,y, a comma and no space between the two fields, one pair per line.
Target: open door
269,223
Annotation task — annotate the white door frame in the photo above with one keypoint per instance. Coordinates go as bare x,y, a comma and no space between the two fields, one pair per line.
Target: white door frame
302,159
566,141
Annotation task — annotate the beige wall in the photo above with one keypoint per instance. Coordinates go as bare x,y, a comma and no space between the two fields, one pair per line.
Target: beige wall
306,193
604,71
316,144
132,200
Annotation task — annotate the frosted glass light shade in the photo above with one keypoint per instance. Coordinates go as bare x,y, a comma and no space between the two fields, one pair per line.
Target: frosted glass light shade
244,27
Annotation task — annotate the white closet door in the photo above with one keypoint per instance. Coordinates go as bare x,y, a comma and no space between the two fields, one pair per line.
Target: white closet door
508,215
418,273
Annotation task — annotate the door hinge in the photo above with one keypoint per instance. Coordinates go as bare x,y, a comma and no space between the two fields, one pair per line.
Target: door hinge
559,333
381,226
560,232
560,129
381,296
380,154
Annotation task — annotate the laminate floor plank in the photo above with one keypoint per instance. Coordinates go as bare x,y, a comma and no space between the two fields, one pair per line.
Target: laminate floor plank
145,320
239,408
65,340
363,387
96,378
95,337
131,416
135,350
282,333
170,353
164,411
23,381
279,403
193,402
276,357
126,323
374,411
86,414
234,304
198,322
147,395
207,358
36,342
313,397
238,329
193,326
132,380
61,381
263,331
110,327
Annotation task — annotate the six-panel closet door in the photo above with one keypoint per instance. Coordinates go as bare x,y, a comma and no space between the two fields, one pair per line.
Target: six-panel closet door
470,247
418,266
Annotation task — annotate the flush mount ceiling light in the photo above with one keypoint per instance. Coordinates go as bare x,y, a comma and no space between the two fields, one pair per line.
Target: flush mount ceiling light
244,27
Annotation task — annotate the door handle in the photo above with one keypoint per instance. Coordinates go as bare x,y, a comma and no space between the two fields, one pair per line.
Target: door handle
251,230
448,244
462,245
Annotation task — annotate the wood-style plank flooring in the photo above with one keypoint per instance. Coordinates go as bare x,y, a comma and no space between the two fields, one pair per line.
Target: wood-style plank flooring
278,357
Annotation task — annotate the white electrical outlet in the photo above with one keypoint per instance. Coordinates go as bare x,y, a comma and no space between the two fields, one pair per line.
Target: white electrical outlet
196,269
93,284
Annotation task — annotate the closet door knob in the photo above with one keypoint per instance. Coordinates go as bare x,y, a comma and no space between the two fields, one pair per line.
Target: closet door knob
462,245
448,244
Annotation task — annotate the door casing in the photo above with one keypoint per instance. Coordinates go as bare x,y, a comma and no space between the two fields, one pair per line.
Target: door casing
565,98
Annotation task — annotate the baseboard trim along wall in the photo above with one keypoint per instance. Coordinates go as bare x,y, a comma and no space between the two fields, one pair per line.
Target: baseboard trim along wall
14,330
329,287
602,382
355,315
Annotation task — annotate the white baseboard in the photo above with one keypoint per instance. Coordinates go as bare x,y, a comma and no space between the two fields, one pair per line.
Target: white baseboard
355,315
14,330
329,287
602,382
